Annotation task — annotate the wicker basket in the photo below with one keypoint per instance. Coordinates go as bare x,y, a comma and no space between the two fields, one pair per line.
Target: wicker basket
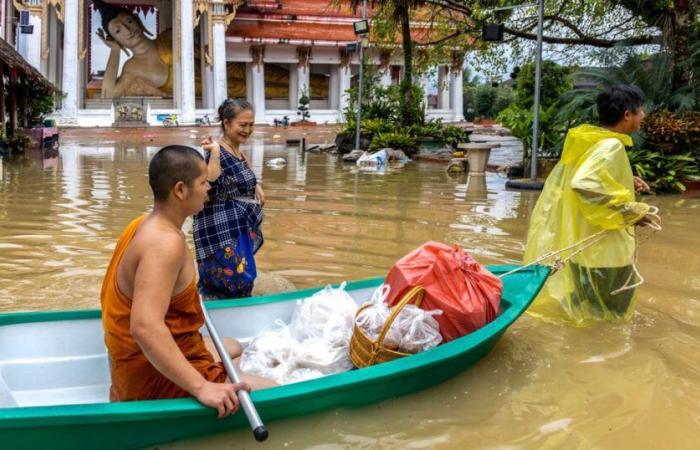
366,352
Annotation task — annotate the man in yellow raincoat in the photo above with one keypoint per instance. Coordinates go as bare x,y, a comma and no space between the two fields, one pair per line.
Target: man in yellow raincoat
592,189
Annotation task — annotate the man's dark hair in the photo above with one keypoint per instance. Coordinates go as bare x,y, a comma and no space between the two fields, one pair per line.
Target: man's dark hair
615,100
171,164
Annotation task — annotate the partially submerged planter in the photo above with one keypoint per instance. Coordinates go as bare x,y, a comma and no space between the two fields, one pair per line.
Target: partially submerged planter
478,156
303,123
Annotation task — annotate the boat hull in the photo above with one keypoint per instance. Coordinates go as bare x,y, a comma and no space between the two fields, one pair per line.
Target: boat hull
143,423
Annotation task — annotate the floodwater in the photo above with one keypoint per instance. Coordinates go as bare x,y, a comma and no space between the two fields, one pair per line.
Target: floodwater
623,386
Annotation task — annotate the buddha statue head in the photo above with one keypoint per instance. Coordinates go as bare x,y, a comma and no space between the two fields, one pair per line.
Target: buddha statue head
121,25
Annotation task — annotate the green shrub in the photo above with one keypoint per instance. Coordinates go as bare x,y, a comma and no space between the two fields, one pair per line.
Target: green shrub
664,172
396,140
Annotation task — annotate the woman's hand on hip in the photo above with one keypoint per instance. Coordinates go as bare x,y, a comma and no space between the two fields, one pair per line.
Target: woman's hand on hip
259,194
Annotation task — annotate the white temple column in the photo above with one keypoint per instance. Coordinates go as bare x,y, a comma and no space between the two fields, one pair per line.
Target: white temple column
219,47
456,90
333,94
425,84
343,86
187,88
443,87
293,87
31,43
385,77
303,79
257,79
69,105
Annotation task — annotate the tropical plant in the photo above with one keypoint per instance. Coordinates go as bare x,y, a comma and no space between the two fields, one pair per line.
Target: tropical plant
664,172
19,141
303,107
398,140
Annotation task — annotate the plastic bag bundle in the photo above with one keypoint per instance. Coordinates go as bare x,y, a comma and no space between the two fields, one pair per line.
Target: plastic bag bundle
413,331
270,354
327,315
372,319
314,344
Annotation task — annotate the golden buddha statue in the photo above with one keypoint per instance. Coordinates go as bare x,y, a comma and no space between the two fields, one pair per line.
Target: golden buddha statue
149,70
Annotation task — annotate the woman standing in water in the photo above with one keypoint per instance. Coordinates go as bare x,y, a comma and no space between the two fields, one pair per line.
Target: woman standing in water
227,231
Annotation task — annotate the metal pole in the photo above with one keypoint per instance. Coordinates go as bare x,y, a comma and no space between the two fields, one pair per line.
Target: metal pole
259,430
359,90
536,114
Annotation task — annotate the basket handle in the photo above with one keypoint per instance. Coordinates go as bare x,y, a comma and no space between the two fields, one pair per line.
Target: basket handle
415,293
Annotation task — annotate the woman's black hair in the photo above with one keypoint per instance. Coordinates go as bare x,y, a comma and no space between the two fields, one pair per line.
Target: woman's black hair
231,107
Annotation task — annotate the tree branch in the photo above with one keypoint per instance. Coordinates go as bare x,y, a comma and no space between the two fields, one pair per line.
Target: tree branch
587,40
439,41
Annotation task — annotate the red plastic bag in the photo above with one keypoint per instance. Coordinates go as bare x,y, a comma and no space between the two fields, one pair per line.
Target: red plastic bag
468,294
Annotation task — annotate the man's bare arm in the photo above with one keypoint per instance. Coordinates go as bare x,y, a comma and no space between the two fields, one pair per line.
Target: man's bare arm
154,282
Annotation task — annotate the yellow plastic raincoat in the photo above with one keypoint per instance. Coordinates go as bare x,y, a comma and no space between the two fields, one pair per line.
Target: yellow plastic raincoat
589,190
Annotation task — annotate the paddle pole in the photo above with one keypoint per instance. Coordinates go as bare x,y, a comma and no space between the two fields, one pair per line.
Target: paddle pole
259,429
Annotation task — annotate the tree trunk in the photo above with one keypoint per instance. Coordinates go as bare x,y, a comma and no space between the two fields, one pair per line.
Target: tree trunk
683,12
407,82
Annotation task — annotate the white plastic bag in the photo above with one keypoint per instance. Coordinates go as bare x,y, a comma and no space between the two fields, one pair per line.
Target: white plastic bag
314,344
413,330
327,315
418,329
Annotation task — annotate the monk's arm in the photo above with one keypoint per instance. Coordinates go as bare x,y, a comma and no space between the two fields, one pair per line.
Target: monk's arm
154,283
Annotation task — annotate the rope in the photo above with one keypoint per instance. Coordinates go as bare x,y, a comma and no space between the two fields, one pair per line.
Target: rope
654,224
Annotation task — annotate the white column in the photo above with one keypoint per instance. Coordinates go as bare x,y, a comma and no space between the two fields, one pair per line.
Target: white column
385,77
443,87
293,87
32,42
456,89
425,84
187,104
258,91
343,86
303,81
69,105
333,94
220,73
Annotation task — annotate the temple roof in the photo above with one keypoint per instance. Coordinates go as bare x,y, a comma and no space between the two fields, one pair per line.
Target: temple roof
312,21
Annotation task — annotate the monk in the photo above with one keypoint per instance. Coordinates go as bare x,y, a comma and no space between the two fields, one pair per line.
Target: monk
150,304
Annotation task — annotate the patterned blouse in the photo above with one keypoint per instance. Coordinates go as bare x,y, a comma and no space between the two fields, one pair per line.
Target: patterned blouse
230,210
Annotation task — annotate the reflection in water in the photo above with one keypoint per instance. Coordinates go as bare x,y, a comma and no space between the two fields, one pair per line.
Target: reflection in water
633,385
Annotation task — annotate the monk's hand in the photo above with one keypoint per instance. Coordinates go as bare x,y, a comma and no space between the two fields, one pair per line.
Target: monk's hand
108,41
221,396
640,185
209,145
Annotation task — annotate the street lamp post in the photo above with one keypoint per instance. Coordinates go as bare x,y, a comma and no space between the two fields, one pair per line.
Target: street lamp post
538,74
361,31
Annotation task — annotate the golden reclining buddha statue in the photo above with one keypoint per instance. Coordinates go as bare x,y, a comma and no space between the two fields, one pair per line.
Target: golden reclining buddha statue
149,70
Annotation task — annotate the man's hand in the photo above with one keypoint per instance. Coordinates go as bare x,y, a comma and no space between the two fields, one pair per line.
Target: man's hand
646,220
259,194
221,396
209,144
640,185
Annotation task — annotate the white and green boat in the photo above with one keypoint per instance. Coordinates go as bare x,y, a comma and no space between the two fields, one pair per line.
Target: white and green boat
54,375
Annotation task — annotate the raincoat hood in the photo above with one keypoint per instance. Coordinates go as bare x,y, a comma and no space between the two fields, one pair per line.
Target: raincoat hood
580,139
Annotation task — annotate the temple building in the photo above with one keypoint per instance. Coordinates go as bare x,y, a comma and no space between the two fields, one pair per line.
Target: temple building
141,61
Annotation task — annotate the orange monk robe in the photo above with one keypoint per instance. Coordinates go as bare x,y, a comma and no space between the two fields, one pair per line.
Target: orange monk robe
133,376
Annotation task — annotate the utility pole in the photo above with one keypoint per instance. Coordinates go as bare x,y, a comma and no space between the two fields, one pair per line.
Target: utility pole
538,74
359,89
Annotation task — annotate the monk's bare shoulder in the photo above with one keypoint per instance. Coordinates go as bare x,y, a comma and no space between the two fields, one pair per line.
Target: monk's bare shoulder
156,236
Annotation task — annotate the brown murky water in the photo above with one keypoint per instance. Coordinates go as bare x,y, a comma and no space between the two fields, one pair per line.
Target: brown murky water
633,385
